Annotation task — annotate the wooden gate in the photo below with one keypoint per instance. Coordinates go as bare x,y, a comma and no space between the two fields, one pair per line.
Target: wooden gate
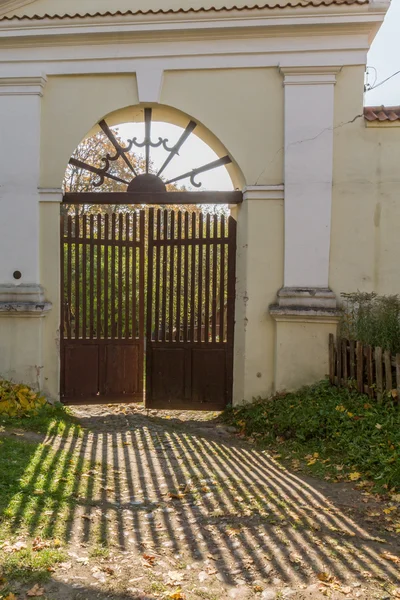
190,310
102,307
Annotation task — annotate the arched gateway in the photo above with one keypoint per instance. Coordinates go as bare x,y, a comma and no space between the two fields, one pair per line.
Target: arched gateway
148,284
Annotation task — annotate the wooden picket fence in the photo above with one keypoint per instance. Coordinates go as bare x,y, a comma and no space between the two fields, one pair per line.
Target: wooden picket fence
371,371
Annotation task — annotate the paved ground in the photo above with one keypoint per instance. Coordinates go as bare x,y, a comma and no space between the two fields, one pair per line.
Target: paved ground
176,506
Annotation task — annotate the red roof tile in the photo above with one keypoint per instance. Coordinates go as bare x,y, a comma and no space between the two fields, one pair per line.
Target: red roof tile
382,113
288,4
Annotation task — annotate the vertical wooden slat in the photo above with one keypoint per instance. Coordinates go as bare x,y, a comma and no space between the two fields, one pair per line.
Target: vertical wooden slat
398,377
207,281
360,367
222,283
141,289
171,279
164,276
136,270
106,270
200,281
378,373
150,293
352,360
179,280
193,280
84,271
370,375
128,243
214,281
158,275
344,362
112,299
62,276
231,304
91,277
186,280
331,358
388,371
99,303
339,361
120,286
77,282
141,282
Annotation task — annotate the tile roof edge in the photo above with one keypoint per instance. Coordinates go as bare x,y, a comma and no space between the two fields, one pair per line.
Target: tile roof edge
162,11
382,113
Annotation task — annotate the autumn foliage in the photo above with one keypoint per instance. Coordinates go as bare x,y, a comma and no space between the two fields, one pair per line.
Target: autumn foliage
19,400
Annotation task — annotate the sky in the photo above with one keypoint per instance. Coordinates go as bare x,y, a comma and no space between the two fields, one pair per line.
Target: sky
384,57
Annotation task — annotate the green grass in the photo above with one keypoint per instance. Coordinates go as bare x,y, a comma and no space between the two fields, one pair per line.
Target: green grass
333,433
28,566
55,418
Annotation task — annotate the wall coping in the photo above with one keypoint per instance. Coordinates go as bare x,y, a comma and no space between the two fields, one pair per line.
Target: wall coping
303,314
264,192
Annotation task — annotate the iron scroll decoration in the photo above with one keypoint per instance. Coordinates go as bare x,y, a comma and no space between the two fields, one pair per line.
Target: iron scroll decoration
143,182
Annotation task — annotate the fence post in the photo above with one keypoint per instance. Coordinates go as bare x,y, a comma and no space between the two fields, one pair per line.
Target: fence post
360,367
398,376
339,361
379,373
332,359
388,371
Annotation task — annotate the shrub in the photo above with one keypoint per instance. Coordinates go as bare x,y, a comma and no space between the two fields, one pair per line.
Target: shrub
19,400
372,319
337,425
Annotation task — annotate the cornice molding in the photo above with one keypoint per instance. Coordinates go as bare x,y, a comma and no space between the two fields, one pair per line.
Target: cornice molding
263,192
310,75
22,86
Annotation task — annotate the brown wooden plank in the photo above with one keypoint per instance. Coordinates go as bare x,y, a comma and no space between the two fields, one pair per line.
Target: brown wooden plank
214,292
339,361
106,273
171,281
179,280
150,294
207,307
344,361
99,277
77,282
193,279
222,277
120,285
378,373
153,198
352,359
91,277
142,222
135,275
370,372
164,277
332,358
360,367
200,281
113,268
230,306
186,281
158,277
84,272
127,274
398,377
388,371
62,277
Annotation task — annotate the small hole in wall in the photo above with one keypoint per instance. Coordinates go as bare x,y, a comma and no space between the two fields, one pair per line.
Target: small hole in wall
17,274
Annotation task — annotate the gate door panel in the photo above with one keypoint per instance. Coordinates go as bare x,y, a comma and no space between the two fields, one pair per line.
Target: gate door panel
190,310
102,307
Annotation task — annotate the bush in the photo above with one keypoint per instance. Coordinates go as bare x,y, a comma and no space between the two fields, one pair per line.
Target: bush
372,319
19,400
335,425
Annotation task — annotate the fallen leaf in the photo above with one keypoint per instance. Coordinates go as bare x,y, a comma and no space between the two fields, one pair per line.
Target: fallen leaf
178,595
36,591
378,426
354,476
11,596
391,557
325,577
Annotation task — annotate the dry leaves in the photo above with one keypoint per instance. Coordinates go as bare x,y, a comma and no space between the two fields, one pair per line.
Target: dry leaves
9,548
36,591
391,557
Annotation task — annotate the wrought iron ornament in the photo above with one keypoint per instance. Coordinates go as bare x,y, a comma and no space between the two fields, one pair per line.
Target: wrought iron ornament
146,181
